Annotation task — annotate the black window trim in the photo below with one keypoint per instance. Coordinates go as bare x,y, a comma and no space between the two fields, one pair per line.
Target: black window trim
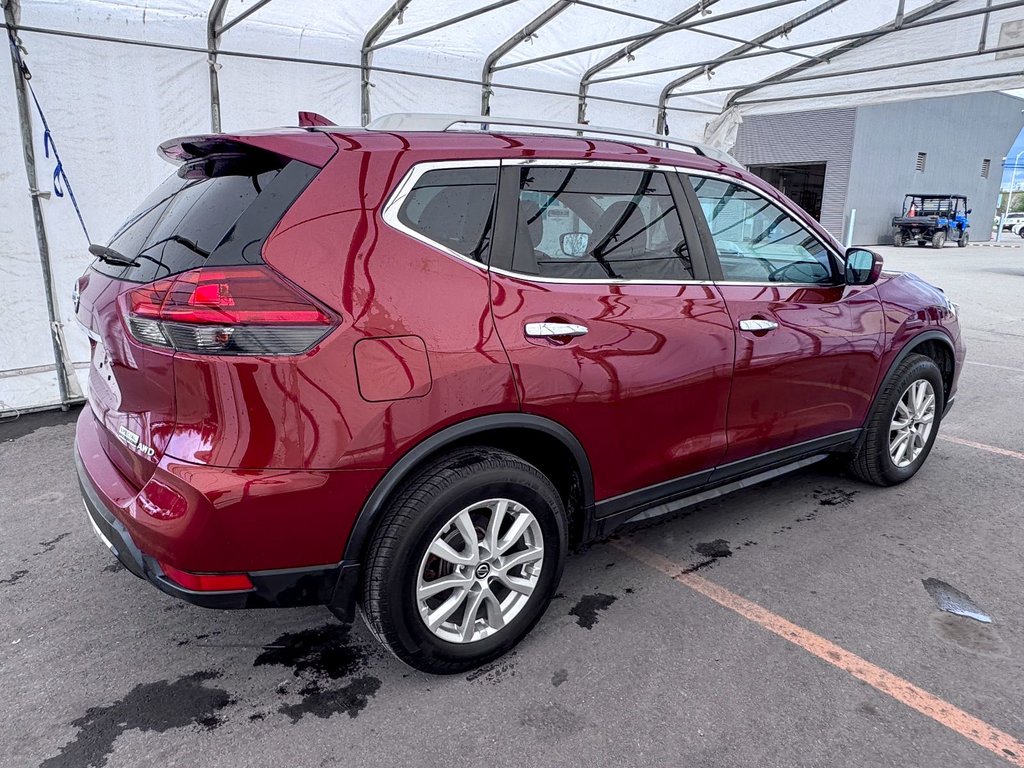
839,259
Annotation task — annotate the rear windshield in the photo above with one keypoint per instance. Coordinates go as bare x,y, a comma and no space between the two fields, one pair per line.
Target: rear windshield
218,213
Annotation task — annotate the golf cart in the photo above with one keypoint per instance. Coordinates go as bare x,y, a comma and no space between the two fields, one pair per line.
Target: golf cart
932,220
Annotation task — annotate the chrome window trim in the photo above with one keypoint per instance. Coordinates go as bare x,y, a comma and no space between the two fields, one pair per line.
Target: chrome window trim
389,214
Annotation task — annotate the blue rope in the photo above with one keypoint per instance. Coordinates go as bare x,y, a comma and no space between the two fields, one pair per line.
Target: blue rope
60,178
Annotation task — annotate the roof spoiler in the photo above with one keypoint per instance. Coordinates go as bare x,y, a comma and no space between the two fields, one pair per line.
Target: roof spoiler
309,147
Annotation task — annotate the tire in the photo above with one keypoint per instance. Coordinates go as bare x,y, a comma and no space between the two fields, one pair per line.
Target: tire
965,238
433,505
874,462
897,239
938,239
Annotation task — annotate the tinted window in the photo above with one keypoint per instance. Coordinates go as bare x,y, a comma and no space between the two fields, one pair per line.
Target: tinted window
758,241
194,219
454,208
598,223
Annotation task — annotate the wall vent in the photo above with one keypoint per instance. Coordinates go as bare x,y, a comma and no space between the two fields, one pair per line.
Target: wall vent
986,166
922,158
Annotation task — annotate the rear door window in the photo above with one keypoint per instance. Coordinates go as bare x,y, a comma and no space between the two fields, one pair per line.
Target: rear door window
198,217
598,224
454,208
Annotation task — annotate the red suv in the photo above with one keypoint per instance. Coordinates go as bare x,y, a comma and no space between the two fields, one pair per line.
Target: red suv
406,367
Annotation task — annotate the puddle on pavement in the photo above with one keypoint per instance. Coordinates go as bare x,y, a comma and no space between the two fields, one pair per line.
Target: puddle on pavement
952,600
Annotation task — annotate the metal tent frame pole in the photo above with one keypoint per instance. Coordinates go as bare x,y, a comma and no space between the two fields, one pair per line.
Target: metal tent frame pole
627,51
366,54
902,18
11,14
644,35
847,72
213,30
771,34
528,31
813,43
442,24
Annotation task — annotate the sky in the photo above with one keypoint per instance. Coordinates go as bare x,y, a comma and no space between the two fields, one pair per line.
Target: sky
1018,145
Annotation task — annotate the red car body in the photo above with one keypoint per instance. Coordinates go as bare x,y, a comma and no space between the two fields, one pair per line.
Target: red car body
251,480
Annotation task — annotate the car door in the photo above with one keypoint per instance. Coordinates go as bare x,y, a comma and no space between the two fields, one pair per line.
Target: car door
808,346
601,299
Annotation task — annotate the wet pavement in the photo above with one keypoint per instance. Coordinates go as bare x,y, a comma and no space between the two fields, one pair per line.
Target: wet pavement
628,666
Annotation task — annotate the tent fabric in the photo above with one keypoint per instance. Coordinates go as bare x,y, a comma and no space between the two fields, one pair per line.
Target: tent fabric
109,102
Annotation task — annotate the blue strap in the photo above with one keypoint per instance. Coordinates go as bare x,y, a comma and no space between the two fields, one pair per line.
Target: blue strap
60,178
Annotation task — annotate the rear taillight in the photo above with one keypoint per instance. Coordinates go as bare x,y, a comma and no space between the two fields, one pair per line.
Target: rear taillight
225,311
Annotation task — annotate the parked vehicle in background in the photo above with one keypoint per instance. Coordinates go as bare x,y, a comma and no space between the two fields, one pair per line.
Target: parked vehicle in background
1014,222
407,366
932,220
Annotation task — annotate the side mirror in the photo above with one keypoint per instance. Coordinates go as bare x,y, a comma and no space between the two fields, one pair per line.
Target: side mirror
968,211
862,266
574,244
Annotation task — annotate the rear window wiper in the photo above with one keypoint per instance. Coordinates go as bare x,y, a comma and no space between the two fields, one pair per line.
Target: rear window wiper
110,256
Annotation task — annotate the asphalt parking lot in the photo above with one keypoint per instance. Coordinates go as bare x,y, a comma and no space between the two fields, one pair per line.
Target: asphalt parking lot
805,635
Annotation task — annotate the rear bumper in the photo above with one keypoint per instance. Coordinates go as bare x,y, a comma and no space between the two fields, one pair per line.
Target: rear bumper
335,586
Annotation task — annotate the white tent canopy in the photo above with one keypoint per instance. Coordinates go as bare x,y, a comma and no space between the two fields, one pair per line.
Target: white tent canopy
116,77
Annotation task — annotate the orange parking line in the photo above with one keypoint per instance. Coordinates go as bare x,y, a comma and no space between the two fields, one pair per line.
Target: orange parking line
939,710
983,447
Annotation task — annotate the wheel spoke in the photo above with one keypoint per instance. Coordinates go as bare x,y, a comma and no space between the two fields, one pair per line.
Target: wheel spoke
494,525
899,424
444,550
902,409
437,586
515,532
495,618
464,525
472,610
516,584
901,452
440,614
531,555
928,406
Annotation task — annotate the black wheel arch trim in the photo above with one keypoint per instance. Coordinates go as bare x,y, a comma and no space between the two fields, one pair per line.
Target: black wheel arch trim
905,350
373,507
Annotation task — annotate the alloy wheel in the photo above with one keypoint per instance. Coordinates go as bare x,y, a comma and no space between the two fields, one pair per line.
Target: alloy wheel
480,570
911,423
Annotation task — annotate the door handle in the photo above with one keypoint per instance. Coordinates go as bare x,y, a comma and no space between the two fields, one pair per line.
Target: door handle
555,330
758,325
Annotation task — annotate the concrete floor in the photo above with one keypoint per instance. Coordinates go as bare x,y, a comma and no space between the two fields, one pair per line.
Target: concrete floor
628,667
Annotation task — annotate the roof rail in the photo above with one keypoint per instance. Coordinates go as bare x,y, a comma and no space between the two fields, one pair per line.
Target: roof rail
425,121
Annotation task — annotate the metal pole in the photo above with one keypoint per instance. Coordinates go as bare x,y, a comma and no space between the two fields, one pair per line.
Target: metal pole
11,13
332,63
848,241
984,27
366,54
242,16
487,77
442,24
213,29
815,43
844,48
782,29
890,87
1009,197
645,35
666,27
856,71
